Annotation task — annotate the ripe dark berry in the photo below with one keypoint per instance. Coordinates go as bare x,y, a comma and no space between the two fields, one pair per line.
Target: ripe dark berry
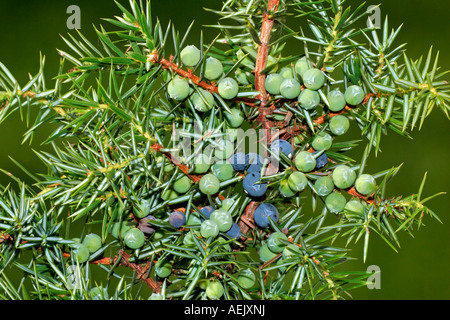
206,211
177,219
251,185
263,213
235,231
282,146
146,226
255,162
239,161
321,161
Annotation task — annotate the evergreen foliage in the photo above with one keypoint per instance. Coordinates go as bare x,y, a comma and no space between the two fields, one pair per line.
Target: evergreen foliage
146,181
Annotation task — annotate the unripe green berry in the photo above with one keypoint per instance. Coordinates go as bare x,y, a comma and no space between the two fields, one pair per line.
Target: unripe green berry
202,163
228,88
313,79
297,181
169,194
209,184
224,150
301,66
214,290
213,68
227,203
335,202
305,161
142,208
222,218
81,252
235,118
309,99
93,242
134,238
354,207
339,125
163,269
265,254
178,89
275,242
182,185
223,171
285,190
190,56
290,88
354,95
343,176
354,210
323,141
324,186
273,83
246,279
241,77
120,228
203,102
291,250
365,184
336,100
286,73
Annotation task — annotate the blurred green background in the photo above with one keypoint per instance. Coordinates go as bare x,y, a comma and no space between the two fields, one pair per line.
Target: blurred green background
421,268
